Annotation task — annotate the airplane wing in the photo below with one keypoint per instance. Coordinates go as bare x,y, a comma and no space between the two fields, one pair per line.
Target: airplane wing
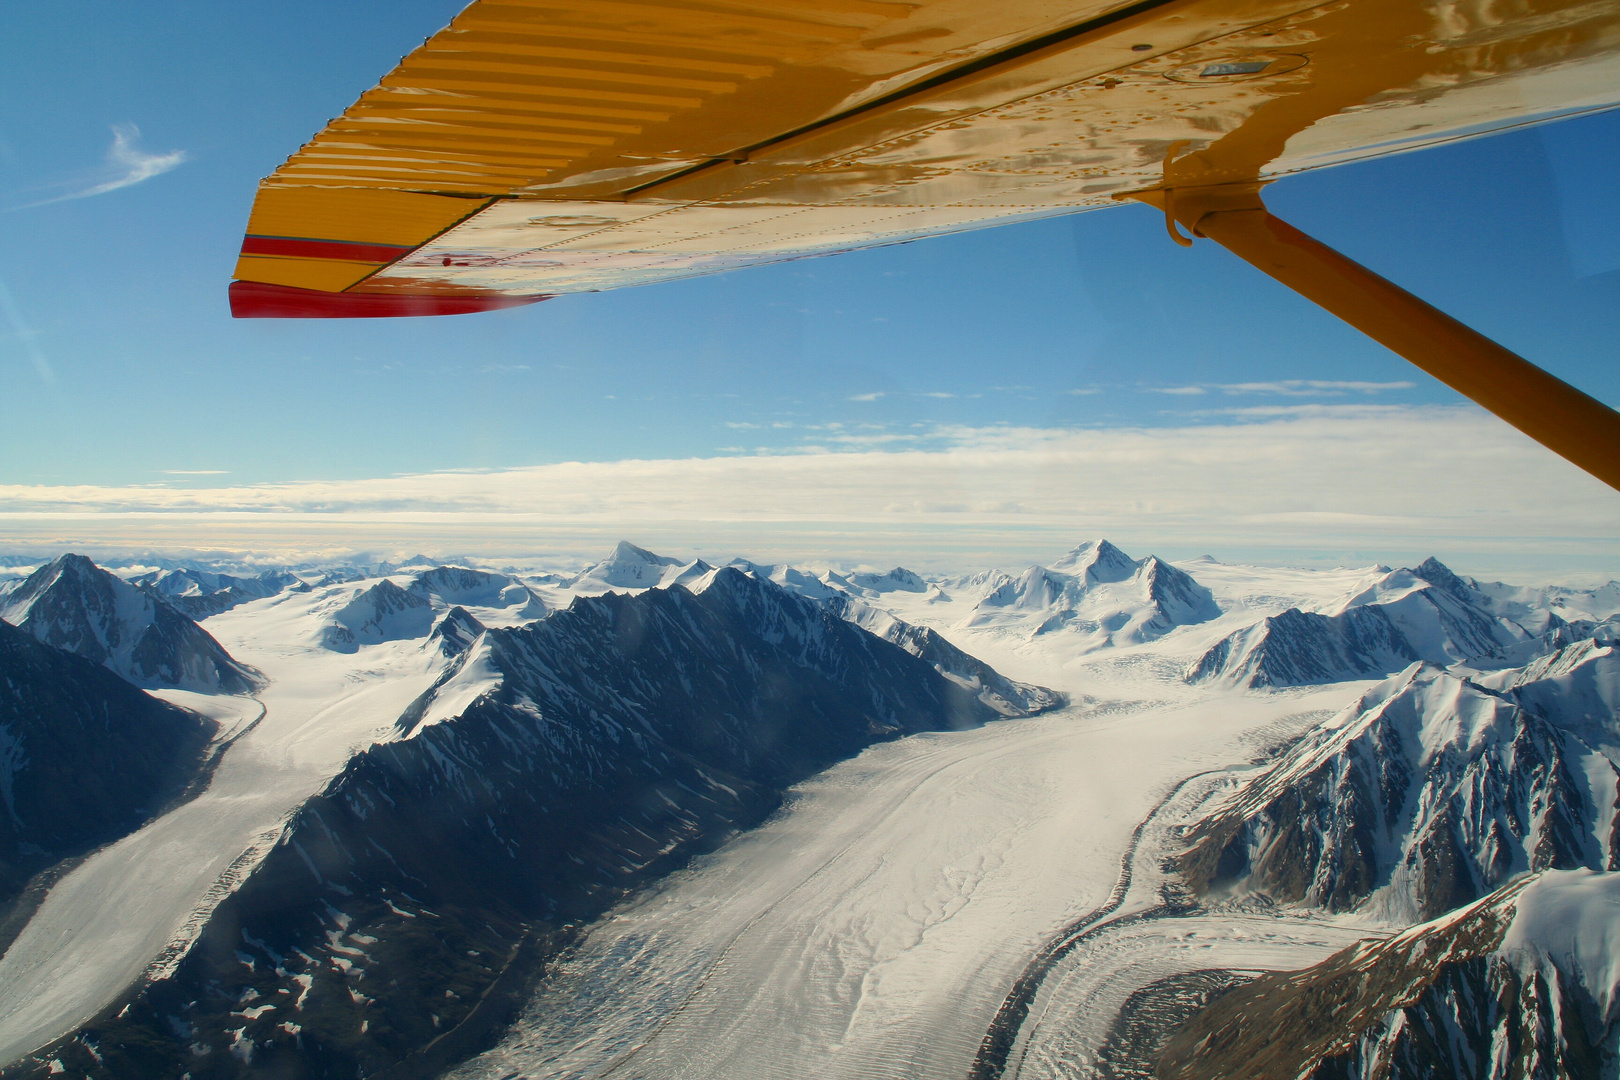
539,147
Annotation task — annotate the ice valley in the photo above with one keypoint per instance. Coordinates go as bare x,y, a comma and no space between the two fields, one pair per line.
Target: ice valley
661,818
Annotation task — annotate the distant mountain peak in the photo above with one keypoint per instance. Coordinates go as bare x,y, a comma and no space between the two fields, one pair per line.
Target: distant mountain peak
625,551
632,567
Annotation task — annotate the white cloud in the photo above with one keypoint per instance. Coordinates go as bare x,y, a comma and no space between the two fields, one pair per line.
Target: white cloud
1177,390
1312,387
1316,480
873,396
126,165
196,472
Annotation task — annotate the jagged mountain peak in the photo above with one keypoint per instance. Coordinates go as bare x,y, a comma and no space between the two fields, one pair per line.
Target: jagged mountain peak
1438,573
73,604
382,612
1096,590
455,632
1387,620
1097,561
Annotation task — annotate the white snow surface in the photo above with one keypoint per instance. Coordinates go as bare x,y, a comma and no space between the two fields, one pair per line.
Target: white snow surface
1571,918
137,904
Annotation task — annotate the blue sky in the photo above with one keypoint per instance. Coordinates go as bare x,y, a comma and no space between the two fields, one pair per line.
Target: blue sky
122,366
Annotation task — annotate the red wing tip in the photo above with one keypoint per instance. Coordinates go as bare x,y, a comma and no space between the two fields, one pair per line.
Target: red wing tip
256,300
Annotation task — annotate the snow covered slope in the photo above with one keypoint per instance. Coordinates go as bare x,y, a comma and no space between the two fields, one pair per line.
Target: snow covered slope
1523,983
1386,621
389,611
75,605
1428,792
496,599
84,758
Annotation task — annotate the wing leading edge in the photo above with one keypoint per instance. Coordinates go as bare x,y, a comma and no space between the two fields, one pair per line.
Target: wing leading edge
538,147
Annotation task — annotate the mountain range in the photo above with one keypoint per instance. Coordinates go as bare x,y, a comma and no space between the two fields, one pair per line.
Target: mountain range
1095,591
1389,620
581,735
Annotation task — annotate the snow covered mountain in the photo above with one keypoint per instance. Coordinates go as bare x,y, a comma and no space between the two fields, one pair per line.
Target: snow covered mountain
1428,792
84,757
200,594
1523,983
387,611
499,596
75,605
559,764
631,567
1095,590
1390,619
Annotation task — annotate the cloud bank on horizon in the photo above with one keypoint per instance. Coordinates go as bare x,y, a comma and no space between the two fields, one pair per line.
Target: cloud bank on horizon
1316,482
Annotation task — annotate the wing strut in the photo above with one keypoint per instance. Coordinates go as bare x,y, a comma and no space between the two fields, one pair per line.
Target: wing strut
1544,407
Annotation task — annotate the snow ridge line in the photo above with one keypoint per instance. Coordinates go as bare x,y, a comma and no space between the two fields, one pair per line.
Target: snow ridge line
995,1050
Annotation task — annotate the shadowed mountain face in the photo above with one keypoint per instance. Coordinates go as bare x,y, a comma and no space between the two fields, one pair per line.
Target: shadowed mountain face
1522,983
586,754
77,606
1428,792
84,757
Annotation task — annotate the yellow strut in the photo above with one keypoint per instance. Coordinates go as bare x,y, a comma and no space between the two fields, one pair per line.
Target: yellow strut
1570,423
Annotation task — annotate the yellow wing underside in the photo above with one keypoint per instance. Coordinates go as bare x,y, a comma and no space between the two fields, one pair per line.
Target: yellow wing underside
539,147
